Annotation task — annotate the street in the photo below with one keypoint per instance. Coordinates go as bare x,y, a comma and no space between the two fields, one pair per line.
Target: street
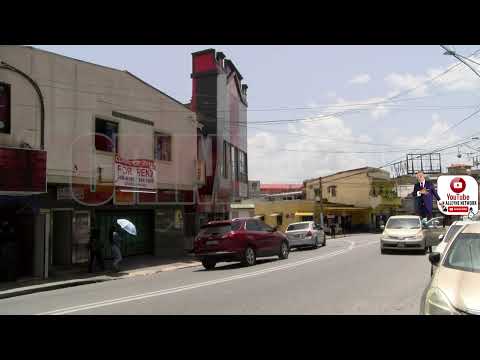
348,276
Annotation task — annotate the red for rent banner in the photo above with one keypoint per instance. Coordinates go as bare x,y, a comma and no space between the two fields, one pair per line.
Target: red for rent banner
135,173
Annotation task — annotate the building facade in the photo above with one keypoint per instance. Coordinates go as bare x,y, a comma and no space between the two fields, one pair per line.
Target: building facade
220,101
89,125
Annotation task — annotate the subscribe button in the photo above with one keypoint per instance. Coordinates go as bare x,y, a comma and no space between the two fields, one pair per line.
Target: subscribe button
459,209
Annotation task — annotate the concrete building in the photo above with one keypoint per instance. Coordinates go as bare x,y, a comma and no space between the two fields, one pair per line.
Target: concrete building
368,194
220,101
91,118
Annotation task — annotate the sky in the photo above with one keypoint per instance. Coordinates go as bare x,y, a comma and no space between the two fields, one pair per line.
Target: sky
304,84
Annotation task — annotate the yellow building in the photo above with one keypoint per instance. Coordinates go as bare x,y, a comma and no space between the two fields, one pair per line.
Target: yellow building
368,195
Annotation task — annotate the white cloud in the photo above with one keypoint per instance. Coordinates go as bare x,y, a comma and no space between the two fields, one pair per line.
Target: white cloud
312,155
360,79
461,78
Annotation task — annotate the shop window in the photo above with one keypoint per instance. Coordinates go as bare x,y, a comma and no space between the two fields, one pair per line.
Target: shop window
106,138
163,147
5,114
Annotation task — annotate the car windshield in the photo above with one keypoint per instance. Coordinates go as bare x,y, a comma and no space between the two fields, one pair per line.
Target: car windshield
403,224
451,232
301,226
464,253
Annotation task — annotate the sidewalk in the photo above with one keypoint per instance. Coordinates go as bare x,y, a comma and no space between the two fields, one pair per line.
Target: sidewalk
130,267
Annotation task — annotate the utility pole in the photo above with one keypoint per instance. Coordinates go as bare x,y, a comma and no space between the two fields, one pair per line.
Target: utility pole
319,200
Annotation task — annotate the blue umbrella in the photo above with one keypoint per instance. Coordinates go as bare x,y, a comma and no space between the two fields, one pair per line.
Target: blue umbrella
127,226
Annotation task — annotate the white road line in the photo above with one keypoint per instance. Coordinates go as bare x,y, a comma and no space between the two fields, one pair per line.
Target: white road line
125,299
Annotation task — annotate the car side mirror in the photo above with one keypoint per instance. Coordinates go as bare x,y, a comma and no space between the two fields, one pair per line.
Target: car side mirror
382,227
434,258
440,237
274,229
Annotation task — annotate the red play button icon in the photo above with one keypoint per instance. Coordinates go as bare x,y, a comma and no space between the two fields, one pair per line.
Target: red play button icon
457,185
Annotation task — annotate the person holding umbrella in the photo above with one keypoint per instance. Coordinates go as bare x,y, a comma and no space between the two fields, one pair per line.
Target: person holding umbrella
115,242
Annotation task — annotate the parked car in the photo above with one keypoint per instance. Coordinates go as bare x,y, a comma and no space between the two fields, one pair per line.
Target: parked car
305,233
445,239
453,289
407,232
242,240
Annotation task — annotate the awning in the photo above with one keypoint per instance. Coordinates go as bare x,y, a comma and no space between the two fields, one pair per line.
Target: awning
275,214
242,206
344,209
304,214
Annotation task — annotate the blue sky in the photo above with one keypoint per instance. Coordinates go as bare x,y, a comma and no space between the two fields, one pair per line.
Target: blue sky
327,79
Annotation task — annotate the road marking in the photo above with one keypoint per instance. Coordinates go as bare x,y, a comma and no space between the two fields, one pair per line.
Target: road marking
125,299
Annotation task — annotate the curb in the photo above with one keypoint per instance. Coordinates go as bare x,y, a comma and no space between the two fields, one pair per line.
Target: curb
61,285
19,292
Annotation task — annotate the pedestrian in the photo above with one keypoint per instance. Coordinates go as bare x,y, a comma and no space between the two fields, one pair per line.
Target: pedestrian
115,243
96,249
332,230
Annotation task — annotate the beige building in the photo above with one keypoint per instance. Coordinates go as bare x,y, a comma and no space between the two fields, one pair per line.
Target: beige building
370,190
91,114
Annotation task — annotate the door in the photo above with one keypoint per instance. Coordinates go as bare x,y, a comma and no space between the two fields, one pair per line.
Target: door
61,248
256,236
272,240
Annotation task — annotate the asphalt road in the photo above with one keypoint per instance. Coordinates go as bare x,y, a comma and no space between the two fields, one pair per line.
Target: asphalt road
348,276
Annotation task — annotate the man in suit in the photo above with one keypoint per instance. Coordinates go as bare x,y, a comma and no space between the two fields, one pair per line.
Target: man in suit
423,192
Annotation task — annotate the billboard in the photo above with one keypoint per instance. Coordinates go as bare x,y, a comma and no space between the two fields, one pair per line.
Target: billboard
23,171
459,194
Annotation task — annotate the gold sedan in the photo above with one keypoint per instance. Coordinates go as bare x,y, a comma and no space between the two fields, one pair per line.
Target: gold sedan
455,286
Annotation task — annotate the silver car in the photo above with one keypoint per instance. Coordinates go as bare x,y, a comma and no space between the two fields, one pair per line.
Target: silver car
305,233
453,289
403,233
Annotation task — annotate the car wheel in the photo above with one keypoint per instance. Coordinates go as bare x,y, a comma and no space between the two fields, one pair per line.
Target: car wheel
249,257
209,264
283,251
383,251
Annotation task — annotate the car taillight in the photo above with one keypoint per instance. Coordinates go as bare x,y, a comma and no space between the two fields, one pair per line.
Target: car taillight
309,234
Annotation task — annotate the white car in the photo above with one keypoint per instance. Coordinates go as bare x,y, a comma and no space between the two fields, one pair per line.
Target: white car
305,233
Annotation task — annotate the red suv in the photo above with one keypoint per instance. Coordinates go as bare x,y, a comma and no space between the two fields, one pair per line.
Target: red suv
238,240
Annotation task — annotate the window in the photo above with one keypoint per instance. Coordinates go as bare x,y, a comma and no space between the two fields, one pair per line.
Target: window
106,135
464,253
4,108
163,147
233,161
242,166
398,223
279,219
332,190
317,192
225,159
298,226
253,225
